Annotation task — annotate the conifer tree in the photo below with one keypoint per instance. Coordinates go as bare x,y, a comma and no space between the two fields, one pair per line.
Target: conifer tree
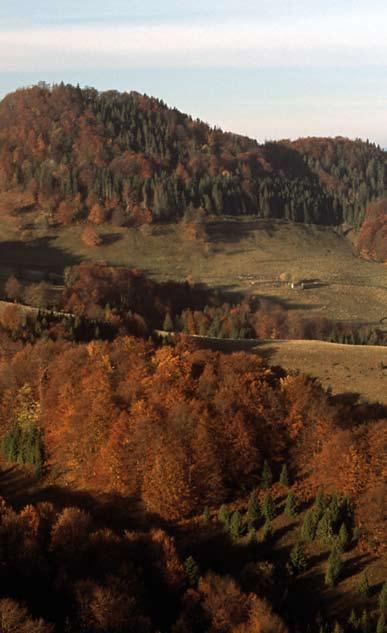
334,566
168,323
253,512
267,531
381,624
236,524
320,502
334,510
192,570
365,623
224,516
364,586
298,558
284,476
353,620
308,528
291,504
382,598
343,538
268,508
324,529
266,476
206,515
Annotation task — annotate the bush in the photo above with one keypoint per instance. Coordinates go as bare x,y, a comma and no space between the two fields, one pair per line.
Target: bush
90,237
14,289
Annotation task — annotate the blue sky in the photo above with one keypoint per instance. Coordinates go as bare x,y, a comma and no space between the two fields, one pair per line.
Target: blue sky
270,69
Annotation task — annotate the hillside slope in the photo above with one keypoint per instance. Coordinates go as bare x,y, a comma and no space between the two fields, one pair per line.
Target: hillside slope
347,369
126,158
372,241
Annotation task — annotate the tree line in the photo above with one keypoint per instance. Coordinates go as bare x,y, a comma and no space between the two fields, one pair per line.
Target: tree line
99,301
125,158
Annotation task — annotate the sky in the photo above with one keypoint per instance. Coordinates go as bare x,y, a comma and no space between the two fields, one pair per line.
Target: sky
266,68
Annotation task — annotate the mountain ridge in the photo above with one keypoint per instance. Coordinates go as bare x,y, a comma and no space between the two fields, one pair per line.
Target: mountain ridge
127,158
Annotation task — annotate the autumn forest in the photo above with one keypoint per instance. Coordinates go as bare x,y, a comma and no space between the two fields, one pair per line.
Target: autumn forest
150,483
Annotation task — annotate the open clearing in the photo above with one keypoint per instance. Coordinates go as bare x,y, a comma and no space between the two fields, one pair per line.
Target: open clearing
345,368
351,288
241,255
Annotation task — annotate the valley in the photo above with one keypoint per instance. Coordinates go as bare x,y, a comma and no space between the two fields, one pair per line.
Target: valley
244,256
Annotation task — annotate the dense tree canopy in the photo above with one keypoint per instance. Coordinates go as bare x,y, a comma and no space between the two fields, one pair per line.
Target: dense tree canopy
126,157
146,436
179,427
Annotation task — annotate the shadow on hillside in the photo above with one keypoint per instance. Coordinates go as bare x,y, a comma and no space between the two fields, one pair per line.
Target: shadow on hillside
355,411
38,255
232,231
356,564
216,550
282,531
285,304
230,346
289,160
20,488
111,238
266,354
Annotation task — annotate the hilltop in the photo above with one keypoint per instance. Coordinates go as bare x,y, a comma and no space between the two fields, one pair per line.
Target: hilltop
72,154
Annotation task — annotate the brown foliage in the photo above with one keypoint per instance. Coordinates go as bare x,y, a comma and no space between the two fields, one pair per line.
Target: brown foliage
14,289
78,152
109,607
98,214
38,295
184,428
90,237
11,318
15,618
372,241
67,210
227,609
70,532
167,560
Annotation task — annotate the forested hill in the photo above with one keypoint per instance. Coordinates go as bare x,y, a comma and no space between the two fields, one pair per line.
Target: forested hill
78,154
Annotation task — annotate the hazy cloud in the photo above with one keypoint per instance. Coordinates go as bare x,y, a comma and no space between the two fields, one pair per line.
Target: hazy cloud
355,40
